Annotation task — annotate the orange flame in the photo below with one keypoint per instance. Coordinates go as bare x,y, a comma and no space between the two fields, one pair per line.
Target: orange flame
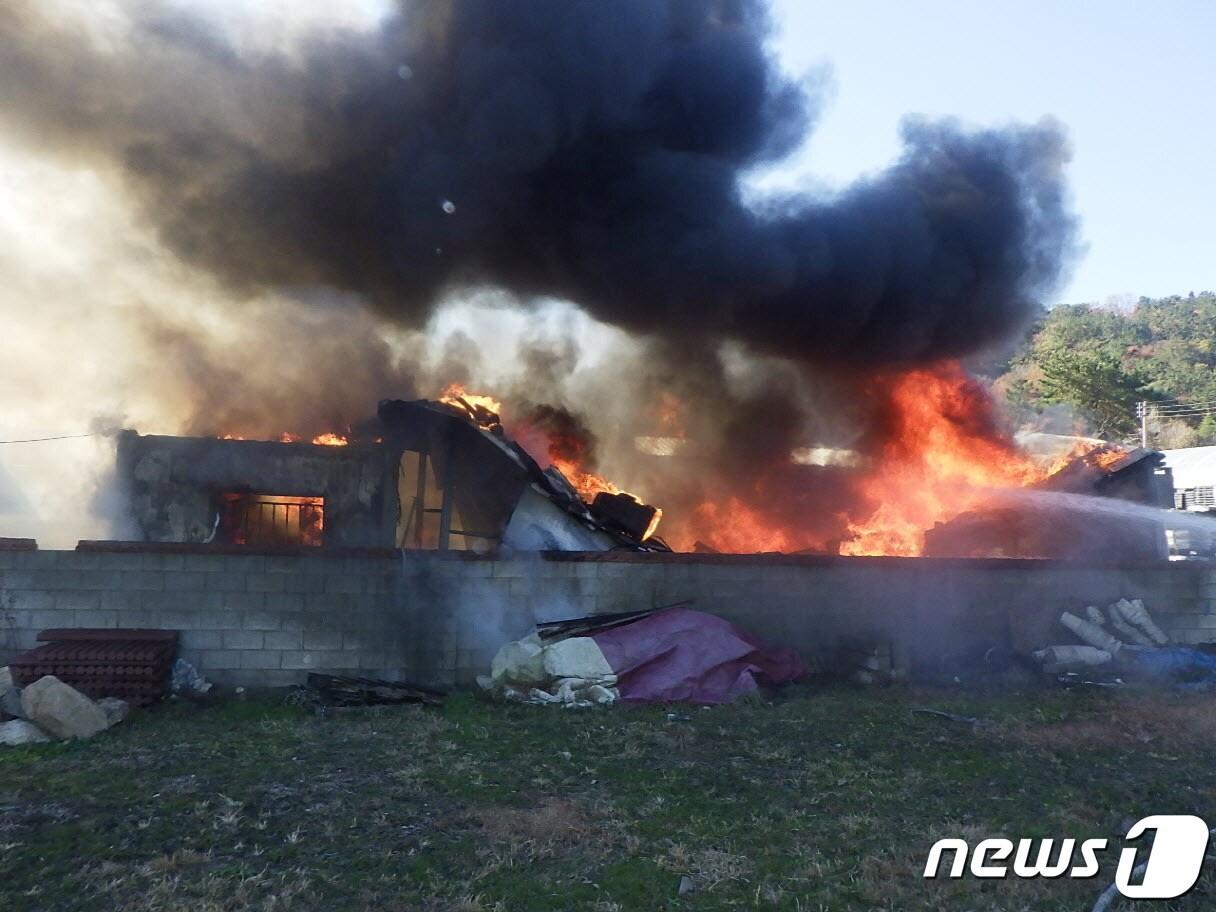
588,484
454,392
330,439
942,457
735,528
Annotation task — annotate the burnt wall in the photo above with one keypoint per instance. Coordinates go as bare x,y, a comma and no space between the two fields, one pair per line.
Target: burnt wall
172,484
268,619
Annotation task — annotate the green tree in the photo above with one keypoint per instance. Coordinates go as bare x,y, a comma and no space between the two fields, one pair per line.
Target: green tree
1094,381
1103,360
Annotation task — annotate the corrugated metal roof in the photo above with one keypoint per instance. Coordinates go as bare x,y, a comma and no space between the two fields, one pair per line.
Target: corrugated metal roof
1193,467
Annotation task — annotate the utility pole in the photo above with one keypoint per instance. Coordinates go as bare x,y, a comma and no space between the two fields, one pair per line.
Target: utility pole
1142,412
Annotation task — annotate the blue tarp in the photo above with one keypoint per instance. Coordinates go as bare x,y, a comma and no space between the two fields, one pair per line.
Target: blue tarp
1186,666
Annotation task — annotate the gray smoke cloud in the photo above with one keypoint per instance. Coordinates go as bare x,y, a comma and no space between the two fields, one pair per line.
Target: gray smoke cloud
584,150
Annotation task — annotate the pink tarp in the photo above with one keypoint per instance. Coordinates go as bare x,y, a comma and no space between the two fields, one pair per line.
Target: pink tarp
680,654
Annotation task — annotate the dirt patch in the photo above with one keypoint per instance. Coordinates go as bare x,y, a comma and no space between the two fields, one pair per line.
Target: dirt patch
708,867
1163,721
542,830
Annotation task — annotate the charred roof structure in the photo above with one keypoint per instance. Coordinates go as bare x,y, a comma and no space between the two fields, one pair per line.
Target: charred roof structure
438,475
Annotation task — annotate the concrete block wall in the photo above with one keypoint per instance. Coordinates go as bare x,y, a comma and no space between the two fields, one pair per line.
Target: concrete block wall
266,620
1190,617
250,619
933,608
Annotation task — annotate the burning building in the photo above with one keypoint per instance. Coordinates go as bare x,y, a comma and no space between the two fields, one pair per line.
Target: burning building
437,475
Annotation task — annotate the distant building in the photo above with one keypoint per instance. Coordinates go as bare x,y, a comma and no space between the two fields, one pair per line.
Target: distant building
1194,471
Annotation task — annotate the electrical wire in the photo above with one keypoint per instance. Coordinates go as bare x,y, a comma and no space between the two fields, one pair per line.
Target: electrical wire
56,437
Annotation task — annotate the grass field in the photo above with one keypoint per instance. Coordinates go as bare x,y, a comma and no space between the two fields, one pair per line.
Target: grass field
818,799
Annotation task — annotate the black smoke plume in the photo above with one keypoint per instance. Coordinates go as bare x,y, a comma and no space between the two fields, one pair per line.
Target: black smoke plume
580,149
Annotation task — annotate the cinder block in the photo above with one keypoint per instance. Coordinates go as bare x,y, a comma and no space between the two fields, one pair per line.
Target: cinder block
514,569
276,564
302,660
18,579
220,620
178,581
321,602
343,583
172,562
78,601
43,620
201,639
96,618
244,601
244,563
260,620
376,583
261,658
306,583
30,600
208,563
118,599
264,582
322,639
159,600
101,579
56,579
267,677
143,580
242,639
284,639
138,618
224,582
216,659
284,601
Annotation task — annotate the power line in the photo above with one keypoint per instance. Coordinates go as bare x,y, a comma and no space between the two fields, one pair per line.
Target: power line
56,437
1167,405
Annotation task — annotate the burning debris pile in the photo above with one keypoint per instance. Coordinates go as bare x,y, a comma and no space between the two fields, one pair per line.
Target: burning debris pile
609,517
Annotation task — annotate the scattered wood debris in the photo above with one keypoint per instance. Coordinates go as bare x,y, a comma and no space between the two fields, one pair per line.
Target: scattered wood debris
581,626
335,690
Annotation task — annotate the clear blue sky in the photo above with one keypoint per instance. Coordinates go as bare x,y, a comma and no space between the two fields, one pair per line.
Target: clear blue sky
1134,83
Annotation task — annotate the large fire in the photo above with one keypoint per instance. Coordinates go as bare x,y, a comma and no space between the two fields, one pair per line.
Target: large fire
567,452
943,455
937,452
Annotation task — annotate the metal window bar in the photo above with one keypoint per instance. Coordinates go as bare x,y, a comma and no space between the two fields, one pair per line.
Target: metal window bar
256,521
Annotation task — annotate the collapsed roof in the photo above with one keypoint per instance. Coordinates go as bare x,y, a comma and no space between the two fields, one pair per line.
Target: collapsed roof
488,490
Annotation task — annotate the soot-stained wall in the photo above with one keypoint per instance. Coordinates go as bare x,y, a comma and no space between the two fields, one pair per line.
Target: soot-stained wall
173,484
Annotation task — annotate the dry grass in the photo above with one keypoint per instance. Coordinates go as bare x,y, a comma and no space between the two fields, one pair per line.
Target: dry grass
1157,721
820,800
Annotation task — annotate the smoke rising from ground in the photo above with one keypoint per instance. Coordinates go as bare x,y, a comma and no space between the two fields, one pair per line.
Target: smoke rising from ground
583,150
